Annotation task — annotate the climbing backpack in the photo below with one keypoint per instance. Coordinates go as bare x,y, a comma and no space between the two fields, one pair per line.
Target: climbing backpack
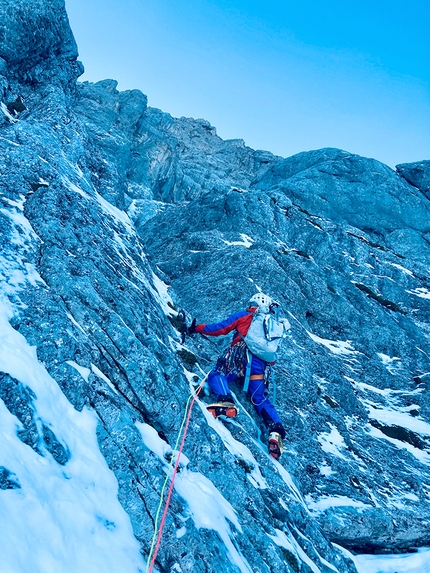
265,335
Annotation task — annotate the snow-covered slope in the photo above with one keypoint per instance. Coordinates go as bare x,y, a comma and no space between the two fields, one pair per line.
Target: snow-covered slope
113,216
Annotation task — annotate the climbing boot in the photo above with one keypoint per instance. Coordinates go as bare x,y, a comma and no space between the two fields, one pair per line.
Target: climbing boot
276,446
225,406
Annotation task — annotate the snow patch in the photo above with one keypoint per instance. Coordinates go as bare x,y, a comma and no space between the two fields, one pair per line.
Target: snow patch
421,456
181,532
332,442
76,323
387,360
162,296
23,223
339,347
75,188
245,242
63,518
7,114
84,372
418,562
113,211
326,470
334,501
239,450
380,391
152,441
407,271
396,418
420,292
100,374
290,544
210,510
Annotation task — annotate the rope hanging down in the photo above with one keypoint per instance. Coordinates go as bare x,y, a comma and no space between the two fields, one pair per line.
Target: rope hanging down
156,539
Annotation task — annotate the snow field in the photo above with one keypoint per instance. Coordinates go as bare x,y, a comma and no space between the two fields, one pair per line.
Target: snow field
63,519
418,562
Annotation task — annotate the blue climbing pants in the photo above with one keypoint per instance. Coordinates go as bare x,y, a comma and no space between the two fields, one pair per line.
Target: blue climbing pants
219,384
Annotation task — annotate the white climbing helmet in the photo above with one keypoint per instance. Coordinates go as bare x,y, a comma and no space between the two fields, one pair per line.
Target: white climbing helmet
261,300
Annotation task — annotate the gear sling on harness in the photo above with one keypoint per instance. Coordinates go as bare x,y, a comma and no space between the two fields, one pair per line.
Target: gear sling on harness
249,377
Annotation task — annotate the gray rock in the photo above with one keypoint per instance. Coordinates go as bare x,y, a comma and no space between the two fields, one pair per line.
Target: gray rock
8,479
347,188
417,174
115,193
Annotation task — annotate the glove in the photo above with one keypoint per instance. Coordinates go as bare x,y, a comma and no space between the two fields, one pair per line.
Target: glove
192,328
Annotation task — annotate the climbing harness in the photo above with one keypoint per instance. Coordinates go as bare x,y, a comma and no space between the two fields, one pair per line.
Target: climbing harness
158,531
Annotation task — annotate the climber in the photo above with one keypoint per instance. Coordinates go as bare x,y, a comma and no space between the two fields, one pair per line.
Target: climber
249,357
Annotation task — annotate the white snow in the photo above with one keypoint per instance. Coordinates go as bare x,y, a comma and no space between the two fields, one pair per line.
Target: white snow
76,323
392,364
380,391
162,295
339,347
207,506
332,442
210,510
403,419
420,292
386,360
75,188
113,211
181,532
411,496
407,563
15,271
152,440
326,470
18,204
236,448
245,242
288,542
308,541
407,271
241,451
63,518
334,501
84,372
7,114
256,285
282,540
420,455
100,374
22,222
288,480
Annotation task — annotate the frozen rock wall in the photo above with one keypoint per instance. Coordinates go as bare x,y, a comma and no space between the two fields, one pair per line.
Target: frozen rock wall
112,216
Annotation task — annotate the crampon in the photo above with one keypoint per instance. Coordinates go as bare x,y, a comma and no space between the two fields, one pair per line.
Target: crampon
275,445
224,409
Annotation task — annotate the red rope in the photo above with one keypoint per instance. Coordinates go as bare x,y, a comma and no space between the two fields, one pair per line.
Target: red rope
175,469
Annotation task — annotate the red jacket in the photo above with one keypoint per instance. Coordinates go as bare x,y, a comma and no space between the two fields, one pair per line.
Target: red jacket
239,322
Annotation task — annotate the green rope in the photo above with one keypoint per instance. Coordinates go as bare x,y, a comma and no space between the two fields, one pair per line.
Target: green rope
157,515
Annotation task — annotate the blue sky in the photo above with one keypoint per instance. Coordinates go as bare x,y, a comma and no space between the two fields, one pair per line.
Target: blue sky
288,76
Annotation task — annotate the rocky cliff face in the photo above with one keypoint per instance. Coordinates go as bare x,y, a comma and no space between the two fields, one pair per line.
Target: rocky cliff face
112,216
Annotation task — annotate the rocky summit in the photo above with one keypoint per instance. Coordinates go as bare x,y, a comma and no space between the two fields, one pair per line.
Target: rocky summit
113,217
